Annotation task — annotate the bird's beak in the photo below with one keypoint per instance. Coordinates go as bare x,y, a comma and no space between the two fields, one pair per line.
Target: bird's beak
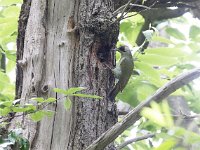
115,49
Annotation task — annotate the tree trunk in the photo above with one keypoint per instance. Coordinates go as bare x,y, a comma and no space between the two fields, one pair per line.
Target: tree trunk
67,44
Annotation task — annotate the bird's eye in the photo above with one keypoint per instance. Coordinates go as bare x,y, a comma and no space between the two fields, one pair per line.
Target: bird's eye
122,48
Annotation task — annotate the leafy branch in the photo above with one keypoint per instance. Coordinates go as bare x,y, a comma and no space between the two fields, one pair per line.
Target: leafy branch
176,83
38,114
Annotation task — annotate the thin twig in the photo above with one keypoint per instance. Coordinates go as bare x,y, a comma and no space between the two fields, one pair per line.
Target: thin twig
4,119
115,13
128,120
122,9
184,116
135,140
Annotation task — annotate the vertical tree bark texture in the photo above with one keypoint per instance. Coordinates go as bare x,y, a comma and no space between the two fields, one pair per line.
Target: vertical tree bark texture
23,19
67,44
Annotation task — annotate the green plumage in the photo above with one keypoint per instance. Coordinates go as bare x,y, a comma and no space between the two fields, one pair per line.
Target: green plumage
123,71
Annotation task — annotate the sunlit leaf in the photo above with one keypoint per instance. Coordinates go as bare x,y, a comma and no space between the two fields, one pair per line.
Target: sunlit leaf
194,33
130,28
158,60
74,90
50,100
38,99
67,103
167,51
129,93
9,2
39,115
154,115
167,114
11,54
5,104
4,111
59,90
11,11
149,72
162,40
155,106
26,108
144,90
174,32
69,91
10,66
167,145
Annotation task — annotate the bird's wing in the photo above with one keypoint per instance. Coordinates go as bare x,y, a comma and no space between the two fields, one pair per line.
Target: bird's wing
117,72
122,62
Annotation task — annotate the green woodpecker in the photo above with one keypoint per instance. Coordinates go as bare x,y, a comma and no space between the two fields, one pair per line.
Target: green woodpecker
123,71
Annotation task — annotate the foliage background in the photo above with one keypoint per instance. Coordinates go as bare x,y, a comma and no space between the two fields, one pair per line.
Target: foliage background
174,48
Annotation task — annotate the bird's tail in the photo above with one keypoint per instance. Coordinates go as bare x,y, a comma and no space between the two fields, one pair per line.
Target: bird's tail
113,93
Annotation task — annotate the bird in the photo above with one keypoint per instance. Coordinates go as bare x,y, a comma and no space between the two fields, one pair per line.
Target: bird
122,71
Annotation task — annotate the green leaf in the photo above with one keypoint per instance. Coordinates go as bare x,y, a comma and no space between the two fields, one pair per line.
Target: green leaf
19,109
167,51
38,99
155,106
11,11
174,32
4,78
5,104
162,40
130,28
39,115
167,144
144,90
87,96
48,113
59,91
26,108
8,20
74,90
11,54
69,91
67,103
158,60
194,33
50,100
5,111
153,115
149,72
166,111
129,94
8,30
9,2
24,144
10,66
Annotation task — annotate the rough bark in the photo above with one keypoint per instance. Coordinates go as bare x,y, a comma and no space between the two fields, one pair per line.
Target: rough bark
96,37
63,44
23,18
53,55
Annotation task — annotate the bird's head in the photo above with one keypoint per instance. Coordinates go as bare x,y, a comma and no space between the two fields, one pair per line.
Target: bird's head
124,50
